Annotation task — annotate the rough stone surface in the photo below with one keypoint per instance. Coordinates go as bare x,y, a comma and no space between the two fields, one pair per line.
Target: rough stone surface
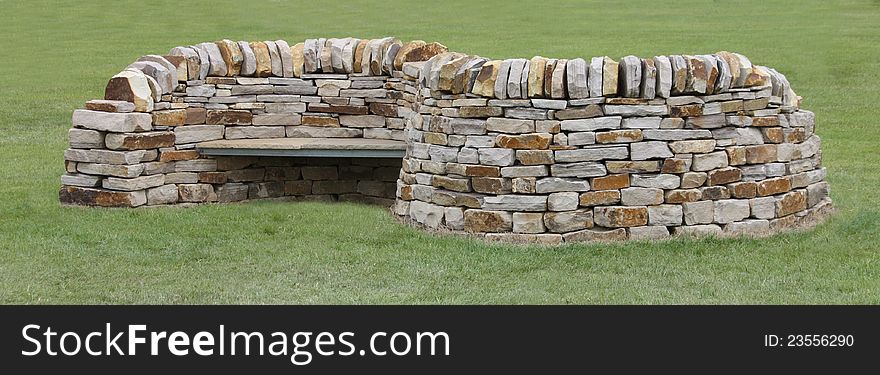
620,217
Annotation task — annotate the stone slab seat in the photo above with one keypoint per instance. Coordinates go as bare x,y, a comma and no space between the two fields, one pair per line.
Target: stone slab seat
306,147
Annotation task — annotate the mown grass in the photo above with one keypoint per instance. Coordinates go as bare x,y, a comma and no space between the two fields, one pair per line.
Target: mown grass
57,55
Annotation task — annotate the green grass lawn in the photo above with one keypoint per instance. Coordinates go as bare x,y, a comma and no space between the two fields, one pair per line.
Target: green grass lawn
59,54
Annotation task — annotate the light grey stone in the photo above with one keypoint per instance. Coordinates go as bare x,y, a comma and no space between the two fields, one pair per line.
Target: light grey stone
181,178
528,222
583,169
497,156
112,122
198,165
197,133
563,201
638,196
741,136
725,77
581,138
648,232
192,60
502,78
104,156
454,218
661,181
675,134
557,81
511,202
591,154
641,123
549,103
698,146
664,76
468,156
201,90
218,66
443,154
592,124
748,228
506,125
83,138
249,60
133,184
362,121
648,89
816,193
467,126
165,194
630,77
479,141
556,184
595,76
649,150
524,171
666,214
707,122
115,170
427,214
710,161
275,59
204,61
698,230
246,132
161,75
702,212
514,84
322,132
763,208
576,79
730,210
80,180
276,119
636,110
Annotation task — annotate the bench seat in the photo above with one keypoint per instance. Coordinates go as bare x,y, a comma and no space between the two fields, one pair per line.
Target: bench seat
306,147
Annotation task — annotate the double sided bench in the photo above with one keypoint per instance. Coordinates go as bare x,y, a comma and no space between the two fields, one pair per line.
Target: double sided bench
305,147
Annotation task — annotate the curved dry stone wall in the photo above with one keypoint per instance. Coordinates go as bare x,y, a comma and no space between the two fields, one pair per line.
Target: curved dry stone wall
526,150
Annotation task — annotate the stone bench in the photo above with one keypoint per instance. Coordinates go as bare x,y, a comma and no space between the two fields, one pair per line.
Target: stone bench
526,150
305,147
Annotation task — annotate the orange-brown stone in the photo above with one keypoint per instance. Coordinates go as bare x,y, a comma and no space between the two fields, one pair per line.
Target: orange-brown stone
229,117
760,154
747,189
619,136
620,216
792,202
171,117
481,171
480,221
320,121
98,197
599,198
723,176
610,182
536,141
683,195
689,110
178,155
534,157
773,186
